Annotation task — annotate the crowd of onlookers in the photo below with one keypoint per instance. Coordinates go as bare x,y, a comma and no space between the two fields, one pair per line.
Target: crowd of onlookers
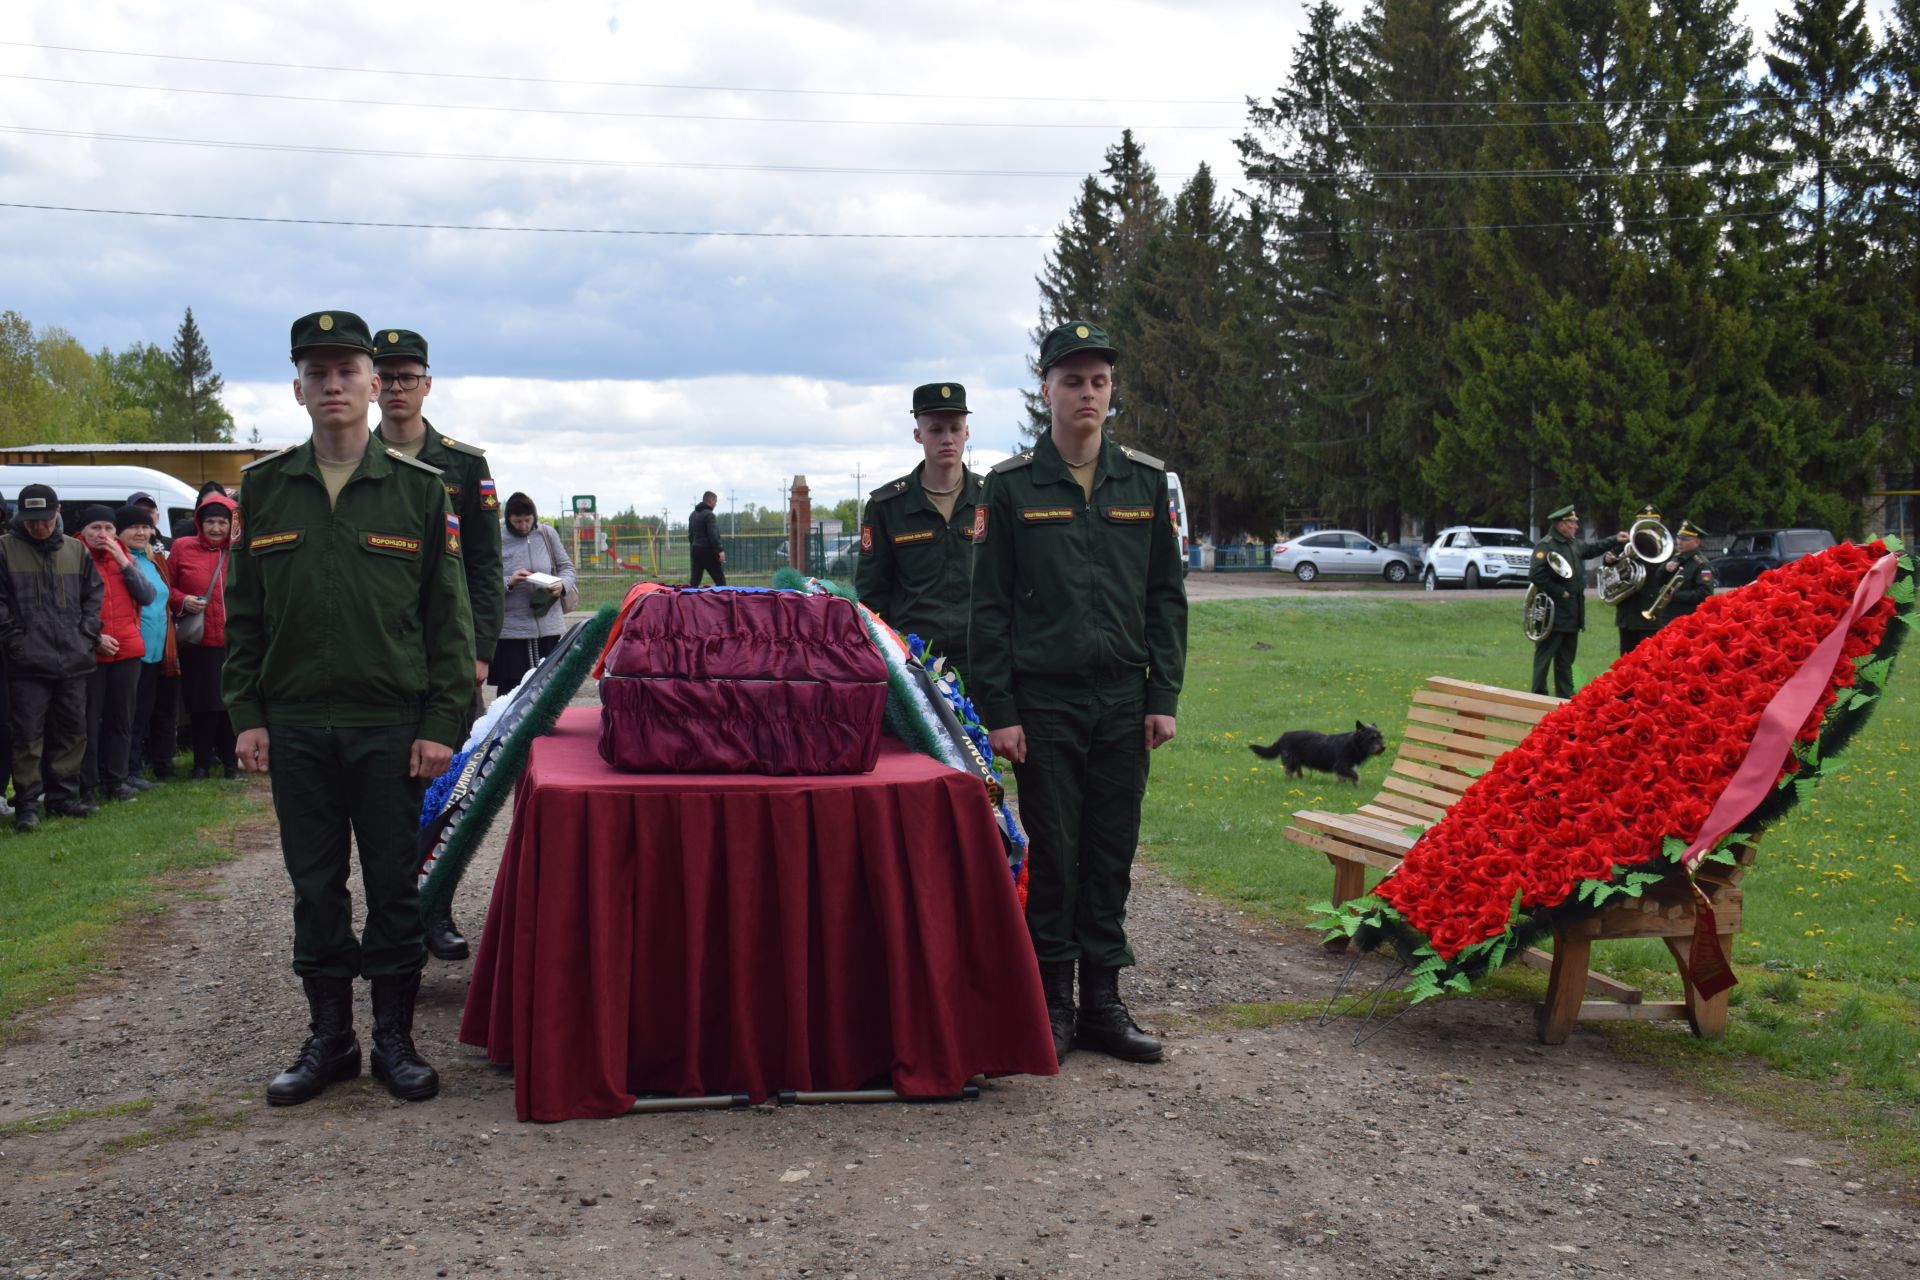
113,634
110,629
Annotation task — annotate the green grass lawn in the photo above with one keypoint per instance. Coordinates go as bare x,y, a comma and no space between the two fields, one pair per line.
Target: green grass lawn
1830,974
65,889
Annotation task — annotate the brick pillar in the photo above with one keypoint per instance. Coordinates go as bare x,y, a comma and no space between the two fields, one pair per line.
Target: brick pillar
799,524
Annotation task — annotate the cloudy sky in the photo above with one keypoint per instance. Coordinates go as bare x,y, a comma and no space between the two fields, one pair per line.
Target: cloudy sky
640,368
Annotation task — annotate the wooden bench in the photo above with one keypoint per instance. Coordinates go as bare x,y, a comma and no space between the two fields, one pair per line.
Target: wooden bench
1456,729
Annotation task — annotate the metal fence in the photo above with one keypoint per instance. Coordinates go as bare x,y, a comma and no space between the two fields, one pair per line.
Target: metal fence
641,549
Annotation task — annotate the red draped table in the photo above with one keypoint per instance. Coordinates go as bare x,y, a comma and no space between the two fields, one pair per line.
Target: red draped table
703,933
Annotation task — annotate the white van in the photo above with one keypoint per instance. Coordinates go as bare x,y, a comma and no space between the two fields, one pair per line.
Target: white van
1177,509
81,485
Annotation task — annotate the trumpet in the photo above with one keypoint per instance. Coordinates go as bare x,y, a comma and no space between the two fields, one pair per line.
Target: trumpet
1660,601
1648,543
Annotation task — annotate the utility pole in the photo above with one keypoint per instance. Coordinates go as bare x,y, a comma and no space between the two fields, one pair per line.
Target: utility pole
859,492
733,521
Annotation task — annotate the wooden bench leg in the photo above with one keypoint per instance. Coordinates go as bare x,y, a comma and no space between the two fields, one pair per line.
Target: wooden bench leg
1708,1018
1555,1017
1349,881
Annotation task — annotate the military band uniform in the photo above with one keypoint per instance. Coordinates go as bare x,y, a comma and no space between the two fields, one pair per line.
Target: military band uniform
1627,613
1079,632
348,637
1694,589
1555,651
916,566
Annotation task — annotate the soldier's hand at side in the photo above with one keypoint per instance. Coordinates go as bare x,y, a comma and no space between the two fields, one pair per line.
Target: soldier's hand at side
1009,743
430,759
251,747
479,673
1160,730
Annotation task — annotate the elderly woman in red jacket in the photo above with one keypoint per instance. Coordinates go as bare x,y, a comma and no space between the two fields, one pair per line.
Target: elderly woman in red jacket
115,681
200,568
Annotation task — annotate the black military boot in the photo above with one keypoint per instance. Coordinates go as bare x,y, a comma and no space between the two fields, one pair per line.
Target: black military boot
26,816
1105,1025
443,939
331,1053
1056,979
395,1060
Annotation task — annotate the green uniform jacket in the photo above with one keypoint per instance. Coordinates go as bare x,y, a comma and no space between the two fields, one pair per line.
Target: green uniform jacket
1069,588
1569,595
1695,587
1627,613
916,567
354,615
470,488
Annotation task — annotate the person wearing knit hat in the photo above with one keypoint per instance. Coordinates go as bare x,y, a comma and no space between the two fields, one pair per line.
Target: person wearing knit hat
202,565
135,526
50,645
115,681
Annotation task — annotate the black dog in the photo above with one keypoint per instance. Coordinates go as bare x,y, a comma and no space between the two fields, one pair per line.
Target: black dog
1340,754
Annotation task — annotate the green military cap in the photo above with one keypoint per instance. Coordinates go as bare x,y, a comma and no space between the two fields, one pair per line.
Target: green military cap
1564,513
331,329
400,343
1688,529
1648,512
1075,335
940,397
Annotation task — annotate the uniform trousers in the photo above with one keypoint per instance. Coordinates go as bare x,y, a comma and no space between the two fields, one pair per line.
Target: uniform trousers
327,784
1555,653
1630,639
111,691
49,737
1080,792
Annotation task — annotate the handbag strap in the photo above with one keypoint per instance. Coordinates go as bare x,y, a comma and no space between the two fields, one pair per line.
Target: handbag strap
219,568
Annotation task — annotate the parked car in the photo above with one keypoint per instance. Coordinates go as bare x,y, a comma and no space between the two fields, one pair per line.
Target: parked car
1471,556
1755,551
1340,551
1177,512
842,557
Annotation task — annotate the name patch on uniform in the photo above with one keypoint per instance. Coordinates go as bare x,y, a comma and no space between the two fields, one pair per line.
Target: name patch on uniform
489,496
866,539
917,535
453,534
1129,513
382,541
268,541
1045,515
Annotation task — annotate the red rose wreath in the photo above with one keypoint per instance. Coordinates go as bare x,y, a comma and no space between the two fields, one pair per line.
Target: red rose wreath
1695,740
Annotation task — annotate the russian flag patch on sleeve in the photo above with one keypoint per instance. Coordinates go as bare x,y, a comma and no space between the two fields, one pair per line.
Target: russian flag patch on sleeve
453,533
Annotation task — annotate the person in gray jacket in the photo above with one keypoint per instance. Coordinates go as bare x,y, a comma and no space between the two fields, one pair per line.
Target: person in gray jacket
535,615
49,626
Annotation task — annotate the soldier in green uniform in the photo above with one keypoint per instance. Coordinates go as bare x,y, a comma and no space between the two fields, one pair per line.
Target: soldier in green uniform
348,669
1629,615
1568,592
916,537
400,357
1695,571
1078,646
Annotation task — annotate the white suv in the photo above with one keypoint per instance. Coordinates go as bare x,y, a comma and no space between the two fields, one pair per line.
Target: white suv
1469,556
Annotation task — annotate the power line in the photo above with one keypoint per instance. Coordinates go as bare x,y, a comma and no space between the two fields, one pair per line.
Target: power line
496,109
623,84
224,144
574,231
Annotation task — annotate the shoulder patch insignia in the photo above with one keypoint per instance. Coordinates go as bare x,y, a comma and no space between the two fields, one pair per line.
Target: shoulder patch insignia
980,522
489,495
1539,555
866,539
1144,459
1018,460
461,446
427,467
453,534
278,453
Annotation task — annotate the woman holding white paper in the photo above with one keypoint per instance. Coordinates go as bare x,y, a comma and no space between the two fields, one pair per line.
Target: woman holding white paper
541,587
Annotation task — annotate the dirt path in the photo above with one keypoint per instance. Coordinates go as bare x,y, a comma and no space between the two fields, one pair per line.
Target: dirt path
1451,1145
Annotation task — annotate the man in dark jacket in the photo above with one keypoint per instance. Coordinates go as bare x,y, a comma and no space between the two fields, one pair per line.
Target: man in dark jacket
49,626
703,542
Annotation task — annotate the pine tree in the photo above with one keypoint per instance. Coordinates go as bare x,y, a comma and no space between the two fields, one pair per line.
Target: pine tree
1896,237
197,415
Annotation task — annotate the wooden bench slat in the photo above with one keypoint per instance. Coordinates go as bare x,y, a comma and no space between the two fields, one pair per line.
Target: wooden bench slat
1455,760
1351,853
1455,784
1437,801
1387,813
1508,734
1480,708
1485,748
1359,831
1494,693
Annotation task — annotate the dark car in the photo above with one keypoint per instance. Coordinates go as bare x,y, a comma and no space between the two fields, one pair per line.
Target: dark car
1755,551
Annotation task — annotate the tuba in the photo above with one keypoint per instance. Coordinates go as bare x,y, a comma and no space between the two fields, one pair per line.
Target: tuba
1648,543
1537,613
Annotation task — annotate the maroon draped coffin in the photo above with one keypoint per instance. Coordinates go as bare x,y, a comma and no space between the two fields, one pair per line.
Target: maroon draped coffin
727,933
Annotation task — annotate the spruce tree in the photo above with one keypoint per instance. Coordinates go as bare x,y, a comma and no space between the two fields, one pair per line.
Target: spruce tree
198,416
1895,229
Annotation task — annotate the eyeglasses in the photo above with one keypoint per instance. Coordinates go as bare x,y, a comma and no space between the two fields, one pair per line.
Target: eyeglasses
404,381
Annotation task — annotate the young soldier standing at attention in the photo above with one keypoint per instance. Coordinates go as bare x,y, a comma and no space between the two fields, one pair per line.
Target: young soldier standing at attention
349,667
400,358
916,540
1078,644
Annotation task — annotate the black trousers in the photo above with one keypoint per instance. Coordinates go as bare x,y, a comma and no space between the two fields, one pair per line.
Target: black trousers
512,659
145,699
6,730
111,691
329,785
709,561
1080,793
49,737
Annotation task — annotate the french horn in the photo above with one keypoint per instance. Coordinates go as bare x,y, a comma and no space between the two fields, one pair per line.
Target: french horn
1537,611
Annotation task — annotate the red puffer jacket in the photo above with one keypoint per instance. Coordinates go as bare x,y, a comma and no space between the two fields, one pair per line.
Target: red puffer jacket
119,615
195,562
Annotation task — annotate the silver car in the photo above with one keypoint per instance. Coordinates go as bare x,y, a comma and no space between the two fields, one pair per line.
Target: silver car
1341,551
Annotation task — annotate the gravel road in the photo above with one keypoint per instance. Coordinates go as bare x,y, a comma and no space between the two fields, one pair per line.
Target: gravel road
1450,1145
